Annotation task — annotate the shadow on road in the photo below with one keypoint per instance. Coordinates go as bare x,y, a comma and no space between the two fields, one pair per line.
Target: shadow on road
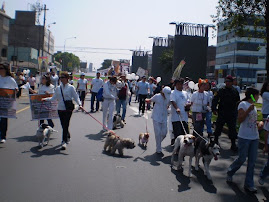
117,155
182,179
98,137
202,179
241,196
46,151
154,159
32,138
265,193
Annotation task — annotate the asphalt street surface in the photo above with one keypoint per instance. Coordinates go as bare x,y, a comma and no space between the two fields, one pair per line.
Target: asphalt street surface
84,172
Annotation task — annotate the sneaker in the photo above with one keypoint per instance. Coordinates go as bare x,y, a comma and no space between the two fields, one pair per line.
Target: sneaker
3,141
91,111
63,146
68,141
229,178
251,189
261,181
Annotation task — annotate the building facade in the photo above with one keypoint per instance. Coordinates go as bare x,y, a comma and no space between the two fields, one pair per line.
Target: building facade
240,56
4,30
139,59
211,62
26,35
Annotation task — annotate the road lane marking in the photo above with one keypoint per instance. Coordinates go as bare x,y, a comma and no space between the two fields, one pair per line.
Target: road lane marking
22,109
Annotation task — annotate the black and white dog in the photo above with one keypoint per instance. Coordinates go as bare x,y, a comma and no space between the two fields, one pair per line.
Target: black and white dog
207,150
184,146
44,131
117,121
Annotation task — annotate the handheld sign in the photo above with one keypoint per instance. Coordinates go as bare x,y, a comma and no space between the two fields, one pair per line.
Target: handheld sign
253,99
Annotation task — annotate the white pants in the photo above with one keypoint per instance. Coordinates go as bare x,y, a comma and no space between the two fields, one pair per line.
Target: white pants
108,106
170,127
160,130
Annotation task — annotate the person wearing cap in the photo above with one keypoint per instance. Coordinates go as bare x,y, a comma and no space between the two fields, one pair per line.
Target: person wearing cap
54,79
224,104
179,113
123,94
82,88
97,83
6,82
142,91
159,115
152,87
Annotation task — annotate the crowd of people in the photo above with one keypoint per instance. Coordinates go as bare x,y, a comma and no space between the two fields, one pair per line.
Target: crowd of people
176,106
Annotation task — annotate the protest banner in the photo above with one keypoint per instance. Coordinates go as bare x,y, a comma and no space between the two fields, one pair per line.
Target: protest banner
7,103
42,110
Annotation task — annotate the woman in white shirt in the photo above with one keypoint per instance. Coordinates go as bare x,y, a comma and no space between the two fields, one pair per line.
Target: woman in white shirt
248,139
6,82
200,103
159,115
265,99
82,88
65,92
45,88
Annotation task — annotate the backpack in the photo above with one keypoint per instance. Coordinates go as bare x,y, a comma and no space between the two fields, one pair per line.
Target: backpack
122,92
99,95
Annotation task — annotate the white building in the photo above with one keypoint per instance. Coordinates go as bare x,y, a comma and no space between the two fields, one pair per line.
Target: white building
240,56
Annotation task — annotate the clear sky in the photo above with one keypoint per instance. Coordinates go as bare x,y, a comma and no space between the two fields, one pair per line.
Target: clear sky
115,24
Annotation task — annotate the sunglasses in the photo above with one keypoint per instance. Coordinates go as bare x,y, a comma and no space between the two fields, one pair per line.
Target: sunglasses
62,77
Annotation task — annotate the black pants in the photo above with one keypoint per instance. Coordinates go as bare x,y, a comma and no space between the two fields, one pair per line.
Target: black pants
50,122
3,128
65,117
231,123
82,95
92,102
19,92
142,101
178,130
33,88
198,125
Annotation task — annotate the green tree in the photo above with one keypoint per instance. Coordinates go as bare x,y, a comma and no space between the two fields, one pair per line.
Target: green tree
69,61
106,64
239,13
166,60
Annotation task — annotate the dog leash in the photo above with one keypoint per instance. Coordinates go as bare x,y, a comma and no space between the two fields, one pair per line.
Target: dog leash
193,129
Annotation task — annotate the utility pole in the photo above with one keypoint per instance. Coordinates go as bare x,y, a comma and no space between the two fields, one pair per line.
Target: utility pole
44,28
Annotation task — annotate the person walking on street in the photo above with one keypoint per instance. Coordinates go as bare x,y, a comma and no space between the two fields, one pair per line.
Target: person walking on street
122,97
64,94
208,115
20,79
179,109
142,90
109,95
32,82
6,82
82,88
226,98
45,88
248,139
235,85
54,78
159,116
265,99
97,83
152,87
200,106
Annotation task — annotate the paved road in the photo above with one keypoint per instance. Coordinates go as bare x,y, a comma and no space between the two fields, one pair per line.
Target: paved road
84,173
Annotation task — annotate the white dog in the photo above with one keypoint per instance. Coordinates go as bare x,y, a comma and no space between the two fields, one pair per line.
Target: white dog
44,131
206,150
184,146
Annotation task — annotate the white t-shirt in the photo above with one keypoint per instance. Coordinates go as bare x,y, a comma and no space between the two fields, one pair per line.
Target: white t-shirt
181,98
265,103
82,84
266,126
152,87
248,128
54,80
97,84
31,81
160,113
8,82
43,89
199,100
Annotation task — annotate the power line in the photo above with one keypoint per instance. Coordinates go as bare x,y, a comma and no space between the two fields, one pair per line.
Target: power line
74,47
98,52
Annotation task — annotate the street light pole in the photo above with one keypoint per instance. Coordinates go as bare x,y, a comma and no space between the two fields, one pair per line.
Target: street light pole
64,49
49,37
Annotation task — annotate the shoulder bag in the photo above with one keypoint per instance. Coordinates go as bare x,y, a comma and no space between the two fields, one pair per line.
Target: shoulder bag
69,105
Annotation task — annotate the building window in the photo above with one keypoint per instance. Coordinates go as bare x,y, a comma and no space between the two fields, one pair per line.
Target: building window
4,52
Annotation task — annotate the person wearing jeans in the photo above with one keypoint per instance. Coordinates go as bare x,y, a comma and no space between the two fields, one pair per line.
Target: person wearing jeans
142,90
65,92
248,139
97,83
122,97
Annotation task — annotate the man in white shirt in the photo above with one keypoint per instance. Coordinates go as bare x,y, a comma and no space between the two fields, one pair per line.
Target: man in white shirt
179,109
97,83
31,81
142,91
54,79
82,88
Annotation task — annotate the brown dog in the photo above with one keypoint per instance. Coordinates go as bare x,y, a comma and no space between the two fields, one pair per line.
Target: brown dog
143,139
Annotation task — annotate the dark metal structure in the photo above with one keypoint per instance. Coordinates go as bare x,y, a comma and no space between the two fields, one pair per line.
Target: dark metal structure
191,42
139,59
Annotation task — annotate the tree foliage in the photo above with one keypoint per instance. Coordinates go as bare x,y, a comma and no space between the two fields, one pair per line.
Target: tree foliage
106,64
166,60
69,61
240,13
